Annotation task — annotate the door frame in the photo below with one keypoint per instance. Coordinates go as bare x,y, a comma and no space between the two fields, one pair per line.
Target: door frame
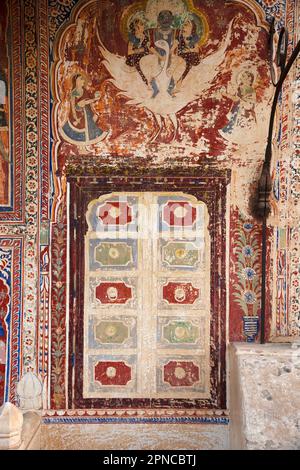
210,189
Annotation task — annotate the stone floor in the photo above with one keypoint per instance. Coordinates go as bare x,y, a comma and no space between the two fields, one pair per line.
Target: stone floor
135,436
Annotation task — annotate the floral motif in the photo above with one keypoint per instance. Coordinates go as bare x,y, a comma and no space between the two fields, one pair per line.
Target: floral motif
249,273
248,256
247,251
250,297
31,88
247,226
31,112
32,187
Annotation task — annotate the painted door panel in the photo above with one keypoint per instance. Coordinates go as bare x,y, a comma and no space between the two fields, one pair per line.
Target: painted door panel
147,312
146,301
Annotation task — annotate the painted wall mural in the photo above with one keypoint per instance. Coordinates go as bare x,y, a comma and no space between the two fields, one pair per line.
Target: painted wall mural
138,90
168,73
92,116
4,109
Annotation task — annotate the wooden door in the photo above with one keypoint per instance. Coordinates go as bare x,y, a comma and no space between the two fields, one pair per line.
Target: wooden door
147,309
146,301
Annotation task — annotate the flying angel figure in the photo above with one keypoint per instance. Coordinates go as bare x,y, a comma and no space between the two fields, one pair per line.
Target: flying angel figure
152,88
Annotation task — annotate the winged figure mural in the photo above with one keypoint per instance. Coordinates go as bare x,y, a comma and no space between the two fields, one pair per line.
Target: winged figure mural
163,70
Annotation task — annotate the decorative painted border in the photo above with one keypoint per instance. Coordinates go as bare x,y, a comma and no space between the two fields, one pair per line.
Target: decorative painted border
43,320
14,336
6,272
58,352
32,181
42,355
294,197
287,193
44,111
120,420
15,213
135,416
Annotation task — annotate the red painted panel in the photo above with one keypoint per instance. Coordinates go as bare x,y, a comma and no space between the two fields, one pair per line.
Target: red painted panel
180,293
115,213
181,373
179,214
113,293
112,373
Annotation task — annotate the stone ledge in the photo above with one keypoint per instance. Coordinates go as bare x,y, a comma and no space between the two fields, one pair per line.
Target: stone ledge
264,396
268,349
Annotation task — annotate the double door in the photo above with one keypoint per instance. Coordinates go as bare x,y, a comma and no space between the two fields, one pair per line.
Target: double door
147,301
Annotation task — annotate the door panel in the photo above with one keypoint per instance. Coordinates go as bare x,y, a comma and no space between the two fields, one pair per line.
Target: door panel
147,311
146,302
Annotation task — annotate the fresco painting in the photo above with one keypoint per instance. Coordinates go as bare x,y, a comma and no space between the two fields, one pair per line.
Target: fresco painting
158,84
242,115
4,109
81,128
170,72
89,116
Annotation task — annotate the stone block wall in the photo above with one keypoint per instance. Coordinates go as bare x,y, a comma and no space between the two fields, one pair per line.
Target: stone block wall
265,396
